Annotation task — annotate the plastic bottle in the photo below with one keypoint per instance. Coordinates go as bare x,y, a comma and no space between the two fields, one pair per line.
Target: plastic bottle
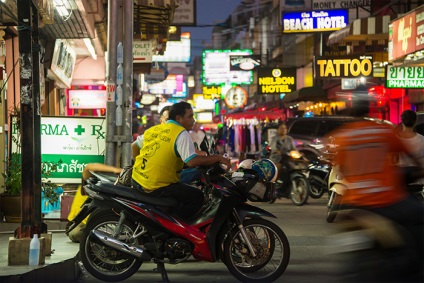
34,250
118,116
120,53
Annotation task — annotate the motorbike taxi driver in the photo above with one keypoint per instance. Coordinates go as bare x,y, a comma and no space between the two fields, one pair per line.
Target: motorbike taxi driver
166,148
281,144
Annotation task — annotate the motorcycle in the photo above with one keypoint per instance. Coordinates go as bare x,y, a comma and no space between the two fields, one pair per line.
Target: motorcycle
336,187
294,184
127,227
319,172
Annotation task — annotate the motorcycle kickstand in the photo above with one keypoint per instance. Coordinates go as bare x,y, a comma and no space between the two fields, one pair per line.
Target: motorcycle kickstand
161,268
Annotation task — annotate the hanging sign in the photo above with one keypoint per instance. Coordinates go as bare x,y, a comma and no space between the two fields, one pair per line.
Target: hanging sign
276,80
314,21
236,97
405,77
344,67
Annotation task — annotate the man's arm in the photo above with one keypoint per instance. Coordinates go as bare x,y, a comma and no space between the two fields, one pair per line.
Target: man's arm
99,167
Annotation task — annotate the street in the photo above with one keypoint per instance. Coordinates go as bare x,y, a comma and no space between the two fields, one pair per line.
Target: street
306,230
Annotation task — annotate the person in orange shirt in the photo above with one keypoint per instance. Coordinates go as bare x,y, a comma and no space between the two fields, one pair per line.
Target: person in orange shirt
367,152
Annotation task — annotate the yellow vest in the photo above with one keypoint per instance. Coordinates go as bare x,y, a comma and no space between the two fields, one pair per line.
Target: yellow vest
158,165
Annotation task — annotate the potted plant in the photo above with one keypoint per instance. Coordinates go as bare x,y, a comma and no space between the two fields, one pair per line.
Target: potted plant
11,197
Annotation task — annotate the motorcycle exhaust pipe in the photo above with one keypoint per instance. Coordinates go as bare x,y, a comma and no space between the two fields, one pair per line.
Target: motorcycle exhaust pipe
120,246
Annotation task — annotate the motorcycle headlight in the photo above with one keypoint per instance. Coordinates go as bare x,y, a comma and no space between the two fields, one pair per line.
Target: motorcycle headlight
295,154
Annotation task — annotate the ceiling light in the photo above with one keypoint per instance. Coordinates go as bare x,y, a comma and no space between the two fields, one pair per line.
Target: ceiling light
90,47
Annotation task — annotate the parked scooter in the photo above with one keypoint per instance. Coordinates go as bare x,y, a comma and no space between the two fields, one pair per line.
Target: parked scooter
294,184
336,187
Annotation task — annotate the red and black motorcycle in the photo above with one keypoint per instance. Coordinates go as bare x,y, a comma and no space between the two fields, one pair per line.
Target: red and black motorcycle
127,227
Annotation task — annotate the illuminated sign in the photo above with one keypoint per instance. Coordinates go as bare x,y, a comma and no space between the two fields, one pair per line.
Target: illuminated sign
343,67
174,85
276,80
244,62
91,97
216,68
210,92
176,51
236,97
405,77
314,21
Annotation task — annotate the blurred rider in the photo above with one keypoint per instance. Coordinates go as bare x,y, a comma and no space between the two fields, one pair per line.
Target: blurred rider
366,156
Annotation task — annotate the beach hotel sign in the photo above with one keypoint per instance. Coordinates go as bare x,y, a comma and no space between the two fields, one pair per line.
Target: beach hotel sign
76,141
314,21
405,77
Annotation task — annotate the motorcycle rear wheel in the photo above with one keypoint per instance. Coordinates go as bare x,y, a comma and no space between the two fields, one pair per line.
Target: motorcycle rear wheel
299,191
271,247
105,263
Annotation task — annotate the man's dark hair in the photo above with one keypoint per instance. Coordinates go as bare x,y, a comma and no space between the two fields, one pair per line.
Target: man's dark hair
179,109
409,118
165,108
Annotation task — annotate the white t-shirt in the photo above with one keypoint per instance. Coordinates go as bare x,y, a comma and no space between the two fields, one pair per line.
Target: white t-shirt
197,137
416,146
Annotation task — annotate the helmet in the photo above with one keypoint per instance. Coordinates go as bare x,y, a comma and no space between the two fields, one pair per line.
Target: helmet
266,170
246,164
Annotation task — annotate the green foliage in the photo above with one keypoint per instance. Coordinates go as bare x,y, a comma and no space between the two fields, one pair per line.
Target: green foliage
12,180
48,188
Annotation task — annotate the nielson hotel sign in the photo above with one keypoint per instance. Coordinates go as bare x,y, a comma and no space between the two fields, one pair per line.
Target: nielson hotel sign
276,80
343,67
314,21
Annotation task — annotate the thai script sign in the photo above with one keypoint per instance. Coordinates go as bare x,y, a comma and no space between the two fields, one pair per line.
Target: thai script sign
344,67
76,141
314,21
276,80
143,51
405,77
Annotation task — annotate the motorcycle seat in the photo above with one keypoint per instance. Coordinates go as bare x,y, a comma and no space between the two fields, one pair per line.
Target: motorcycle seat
108,187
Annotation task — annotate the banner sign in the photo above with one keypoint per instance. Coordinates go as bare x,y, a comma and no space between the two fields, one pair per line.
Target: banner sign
314,21
405,77
343,67
276,80
244,62
76,141
340,4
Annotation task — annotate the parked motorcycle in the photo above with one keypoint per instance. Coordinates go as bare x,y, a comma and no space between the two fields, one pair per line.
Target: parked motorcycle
319,172
294,184
127,227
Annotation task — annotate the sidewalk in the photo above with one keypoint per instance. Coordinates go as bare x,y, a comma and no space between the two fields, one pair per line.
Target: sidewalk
59,267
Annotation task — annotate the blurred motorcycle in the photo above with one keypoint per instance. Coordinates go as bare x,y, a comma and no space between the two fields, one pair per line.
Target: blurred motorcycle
319,172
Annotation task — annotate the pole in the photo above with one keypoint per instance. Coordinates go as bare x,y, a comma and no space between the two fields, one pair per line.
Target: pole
26,118
37,121
128,81
111,81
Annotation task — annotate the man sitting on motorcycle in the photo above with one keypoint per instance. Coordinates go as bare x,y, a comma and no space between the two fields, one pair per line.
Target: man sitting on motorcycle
366,151
281,144
166,148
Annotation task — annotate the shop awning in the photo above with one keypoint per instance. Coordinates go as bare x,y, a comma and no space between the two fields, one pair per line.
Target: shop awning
366,29
313,93
260,115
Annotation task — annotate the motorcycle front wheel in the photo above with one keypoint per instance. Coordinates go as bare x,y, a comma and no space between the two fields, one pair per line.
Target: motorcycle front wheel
334,204
299,191
317,185
105,263
272,252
